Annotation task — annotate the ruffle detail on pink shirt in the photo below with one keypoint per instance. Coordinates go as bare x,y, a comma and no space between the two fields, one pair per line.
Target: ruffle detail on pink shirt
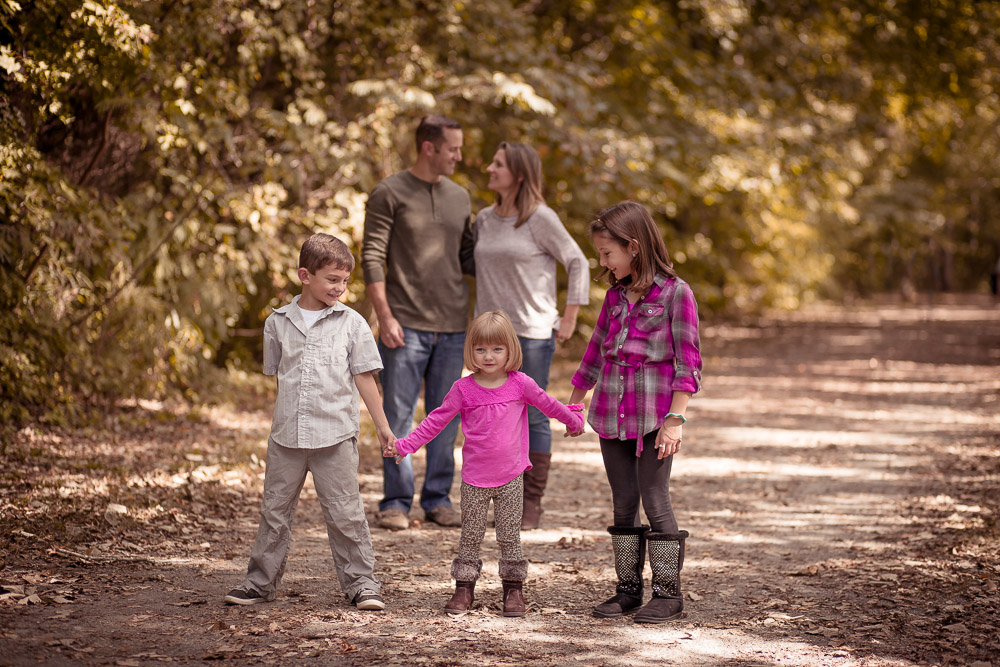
475,395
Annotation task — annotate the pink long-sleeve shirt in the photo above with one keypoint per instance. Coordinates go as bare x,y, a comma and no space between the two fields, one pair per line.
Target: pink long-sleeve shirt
495,424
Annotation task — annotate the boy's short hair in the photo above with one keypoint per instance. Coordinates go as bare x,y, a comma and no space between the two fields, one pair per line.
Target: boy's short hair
321,250
432,129
493,328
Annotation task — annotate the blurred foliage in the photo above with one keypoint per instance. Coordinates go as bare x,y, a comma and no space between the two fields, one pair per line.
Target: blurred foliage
161,161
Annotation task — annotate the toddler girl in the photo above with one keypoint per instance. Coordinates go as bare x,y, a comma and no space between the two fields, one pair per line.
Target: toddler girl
493,403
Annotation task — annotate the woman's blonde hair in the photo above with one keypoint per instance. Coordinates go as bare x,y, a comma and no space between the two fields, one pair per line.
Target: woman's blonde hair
526,168
493,328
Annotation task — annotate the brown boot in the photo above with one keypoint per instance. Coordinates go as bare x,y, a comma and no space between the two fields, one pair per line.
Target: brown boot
462,600
534,486
513,598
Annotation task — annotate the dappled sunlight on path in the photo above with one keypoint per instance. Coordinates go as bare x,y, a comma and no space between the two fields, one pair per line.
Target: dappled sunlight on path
840,479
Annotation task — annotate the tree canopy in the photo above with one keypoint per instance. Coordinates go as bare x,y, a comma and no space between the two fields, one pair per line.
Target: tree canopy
161,161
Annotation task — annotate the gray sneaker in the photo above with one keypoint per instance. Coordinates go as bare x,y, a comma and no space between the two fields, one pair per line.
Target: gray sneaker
445,515
393,519
244,596
368,600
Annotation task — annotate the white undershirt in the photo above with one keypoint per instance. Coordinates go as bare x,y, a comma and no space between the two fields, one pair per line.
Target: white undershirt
310,316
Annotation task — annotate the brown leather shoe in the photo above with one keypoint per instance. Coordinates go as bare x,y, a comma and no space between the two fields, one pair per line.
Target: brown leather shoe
393,519
445,515
513,599
462,600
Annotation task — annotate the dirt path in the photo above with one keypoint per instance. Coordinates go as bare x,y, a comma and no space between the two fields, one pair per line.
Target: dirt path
840,481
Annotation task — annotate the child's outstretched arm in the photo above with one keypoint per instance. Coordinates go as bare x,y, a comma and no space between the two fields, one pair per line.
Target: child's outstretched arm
551,407
365,382
433,424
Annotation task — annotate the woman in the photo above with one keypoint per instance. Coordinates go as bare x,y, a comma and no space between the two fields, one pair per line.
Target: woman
519,242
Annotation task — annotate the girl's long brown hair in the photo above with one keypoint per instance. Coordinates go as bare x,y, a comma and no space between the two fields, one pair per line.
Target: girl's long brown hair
629,221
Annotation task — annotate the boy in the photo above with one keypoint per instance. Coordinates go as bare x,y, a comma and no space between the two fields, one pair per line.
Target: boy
321,350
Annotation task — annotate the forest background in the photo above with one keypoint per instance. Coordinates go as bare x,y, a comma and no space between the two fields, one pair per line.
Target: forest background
161,161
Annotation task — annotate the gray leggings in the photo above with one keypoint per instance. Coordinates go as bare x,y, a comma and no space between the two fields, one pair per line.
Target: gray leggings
644,478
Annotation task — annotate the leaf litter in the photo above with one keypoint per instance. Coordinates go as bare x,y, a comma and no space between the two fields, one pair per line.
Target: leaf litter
888,564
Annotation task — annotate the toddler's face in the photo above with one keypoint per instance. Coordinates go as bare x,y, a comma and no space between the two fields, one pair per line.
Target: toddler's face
491,358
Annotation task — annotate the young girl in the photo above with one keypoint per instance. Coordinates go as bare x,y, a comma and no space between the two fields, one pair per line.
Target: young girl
519,244
493,405
644,360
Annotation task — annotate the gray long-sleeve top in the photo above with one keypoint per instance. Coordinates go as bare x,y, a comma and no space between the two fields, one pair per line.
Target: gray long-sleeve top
418,239
516,269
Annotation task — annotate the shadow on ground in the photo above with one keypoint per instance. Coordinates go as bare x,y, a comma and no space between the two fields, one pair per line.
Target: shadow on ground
839,479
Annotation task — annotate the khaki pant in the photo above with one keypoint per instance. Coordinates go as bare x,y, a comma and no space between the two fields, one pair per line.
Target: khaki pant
335,476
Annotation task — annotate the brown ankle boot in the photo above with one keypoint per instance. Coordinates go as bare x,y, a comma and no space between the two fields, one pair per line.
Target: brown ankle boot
462,600
534,486
513,598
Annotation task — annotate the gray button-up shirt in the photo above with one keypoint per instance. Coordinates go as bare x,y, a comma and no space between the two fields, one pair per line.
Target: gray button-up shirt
318,404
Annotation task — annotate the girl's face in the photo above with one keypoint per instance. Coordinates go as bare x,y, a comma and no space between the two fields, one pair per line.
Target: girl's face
490,358
501,179
614,256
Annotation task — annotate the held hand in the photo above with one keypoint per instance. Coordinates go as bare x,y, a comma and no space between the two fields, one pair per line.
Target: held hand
576,406
388,442
391,332
668,441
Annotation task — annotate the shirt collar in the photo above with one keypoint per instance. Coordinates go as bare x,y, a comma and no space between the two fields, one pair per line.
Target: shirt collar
295,316
659,280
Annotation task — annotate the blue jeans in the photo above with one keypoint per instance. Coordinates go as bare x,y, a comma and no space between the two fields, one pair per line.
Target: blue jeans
435,361
537,353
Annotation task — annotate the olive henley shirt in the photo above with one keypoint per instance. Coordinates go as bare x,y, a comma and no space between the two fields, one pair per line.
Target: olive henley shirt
418,240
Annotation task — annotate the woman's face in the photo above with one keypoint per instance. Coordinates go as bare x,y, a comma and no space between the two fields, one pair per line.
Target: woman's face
501,180
613,256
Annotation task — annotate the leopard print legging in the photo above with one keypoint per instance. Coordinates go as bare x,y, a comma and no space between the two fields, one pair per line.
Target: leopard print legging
507,507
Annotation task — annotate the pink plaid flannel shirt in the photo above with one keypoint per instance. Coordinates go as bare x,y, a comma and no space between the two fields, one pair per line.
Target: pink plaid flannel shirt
638,358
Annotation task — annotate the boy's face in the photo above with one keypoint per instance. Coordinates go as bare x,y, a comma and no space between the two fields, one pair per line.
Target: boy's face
323,288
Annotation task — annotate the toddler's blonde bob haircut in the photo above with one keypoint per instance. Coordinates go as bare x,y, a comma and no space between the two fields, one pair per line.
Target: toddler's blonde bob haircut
493,328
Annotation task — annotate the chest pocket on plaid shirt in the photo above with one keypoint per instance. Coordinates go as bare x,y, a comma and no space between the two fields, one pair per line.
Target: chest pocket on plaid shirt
650,317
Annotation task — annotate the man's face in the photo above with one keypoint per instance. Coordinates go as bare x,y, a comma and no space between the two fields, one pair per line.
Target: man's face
448,154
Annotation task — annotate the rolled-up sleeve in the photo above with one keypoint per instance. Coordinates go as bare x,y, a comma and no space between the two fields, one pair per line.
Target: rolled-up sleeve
686,341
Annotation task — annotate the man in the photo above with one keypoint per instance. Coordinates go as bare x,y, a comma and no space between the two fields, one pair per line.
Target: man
417,245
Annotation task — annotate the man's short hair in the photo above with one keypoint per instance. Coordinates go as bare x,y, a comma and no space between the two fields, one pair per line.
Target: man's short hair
321,250
432,129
